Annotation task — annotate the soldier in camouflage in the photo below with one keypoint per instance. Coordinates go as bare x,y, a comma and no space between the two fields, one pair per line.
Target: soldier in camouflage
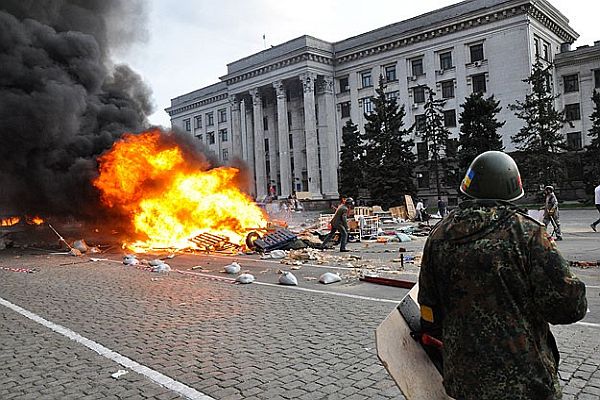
491,281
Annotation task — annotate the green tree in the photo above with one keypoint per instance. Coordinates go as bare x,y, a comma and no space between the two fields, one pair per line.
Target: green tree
389,160
540,140
435,135
478,128
351,170
592,154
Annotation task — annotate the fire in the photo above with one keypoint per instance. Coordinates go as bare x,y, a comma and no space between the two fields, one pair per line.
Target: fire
169,198
35,220
10,221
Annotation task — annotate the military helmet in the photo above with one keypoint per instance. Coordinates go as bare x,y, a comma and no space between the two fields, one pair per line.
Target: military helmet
550,188
493,175
349,201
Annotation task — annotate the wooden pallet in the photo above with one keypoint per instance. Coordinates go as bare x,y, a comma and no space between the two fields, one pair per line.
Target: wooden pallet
209,242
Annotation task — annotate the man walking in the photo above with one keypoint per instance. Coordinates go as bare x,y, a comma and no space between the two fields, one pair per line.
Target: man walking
551,211
490,283
597,202
339,223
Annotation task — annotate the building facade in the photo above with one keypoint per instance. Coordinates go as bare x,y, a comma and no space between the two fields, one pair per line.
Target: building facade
282,110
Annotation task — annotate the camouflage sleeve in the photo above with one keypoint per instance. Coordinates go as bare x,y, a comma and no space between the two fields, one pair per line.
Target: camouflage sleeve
559,294
431,319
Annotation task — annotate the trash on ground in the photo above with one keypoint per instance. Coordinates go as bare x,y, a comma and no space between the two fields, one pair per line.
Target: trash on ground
403,237
162,268
119,373
330,277
275,254
287,278
74,252
130,259
81,245
24,270
245,278
233,268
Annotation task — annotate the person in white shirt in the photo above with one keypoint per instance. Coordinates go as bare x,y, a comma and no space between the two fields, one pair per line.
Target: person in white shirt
597,202
420,208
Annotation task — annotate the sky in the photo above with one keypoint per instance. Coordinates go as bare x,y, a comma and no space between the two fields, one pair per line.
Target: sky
189,43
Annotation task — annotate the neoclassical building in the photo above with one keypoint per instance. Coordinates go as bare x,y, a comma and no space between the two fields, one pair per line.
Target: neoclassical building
282,110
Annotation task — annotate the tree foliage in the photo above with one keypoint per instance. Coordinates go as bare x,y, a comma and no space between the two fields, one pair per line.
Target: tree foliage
435,135
388,160
351,170
478,128
592,154
540,139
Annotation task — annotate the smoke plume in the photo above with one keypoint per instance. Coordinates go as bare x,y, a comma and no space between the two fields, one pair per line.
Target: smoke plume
62,101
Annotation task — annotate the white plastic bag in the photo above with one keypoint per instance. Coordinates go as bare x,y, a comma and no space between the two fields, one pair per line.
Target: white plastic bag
276,254
233,268
80,245
245,278
329,277
156,262
287,278
162,268
130,259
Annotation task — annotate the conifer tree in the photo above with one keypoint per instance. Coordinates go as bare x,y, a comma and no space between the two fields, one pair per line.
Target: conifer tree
389,160
478,128
351,170
435,135
592,154
540,139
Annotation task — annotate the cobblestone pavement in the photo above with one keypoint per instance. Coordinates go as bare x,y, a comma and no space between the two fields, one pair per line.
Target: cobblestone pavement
225,340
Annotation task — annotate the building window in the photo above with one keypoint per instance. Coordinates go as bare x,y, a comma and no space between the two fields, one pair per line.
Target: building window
222,113
291,143
572,112
417,66
392,95
199,136
210,119
597,78
365,78
574,140
476,52
265,123
390,73
446,60
546,47
345,108
367,105
267,146
448,89
450,118
479,85
419,94
423,179
225,154
536,43
422,151
210,136
289,120
223,135
420,123
571,83
187,123
344,85
198,121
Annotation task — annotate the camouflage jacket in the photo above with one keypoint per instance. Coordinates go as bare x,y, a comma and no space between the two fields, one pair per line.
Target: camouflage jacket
490,283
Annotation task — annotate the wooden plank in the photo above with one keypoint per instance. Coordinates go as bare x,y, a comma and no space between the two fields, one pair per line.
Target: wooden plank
388,282
405,359
410,207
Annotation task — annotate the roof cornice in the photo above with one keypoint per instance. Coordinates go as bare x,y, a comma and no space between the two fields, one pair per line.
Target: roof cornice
197,104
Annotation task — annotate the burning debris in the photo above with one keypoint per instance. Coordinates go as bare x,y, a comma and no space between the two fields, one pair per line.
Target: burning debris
172,198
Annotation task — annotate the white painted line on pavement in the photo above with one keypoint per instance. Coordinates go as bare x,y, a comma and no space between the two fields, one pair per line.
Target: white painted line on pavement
590,324
155,376
592,287
272,261
352,296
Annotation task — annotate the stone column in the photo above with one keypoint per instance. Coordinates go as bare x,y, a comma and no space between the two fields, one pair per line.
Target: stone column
310,127
259,146
328,141
285,168
244,132
236,126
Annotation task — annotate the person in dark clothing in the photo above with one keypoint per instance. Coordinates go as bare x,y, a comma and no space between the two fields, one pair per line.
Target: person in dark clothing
491,281
441,207
339,223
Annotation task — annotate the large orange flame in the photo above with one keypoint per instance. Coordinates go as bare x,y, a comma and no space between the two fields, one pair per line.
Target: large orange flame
168,198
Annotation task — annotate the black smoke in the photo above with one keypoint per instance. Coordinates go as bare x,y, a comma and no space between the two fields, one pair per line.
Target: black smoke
62,101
